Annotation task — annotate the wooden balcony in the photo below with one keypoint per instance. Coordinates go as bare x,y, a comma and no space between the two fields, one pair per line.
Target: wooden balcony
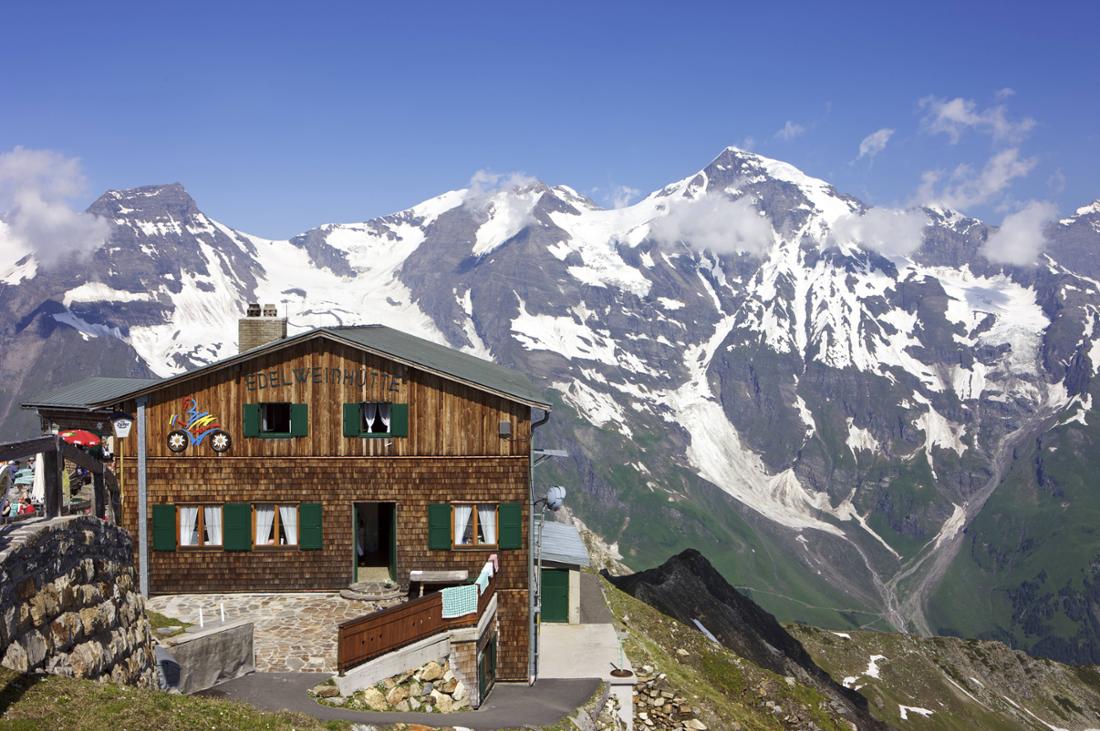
375,634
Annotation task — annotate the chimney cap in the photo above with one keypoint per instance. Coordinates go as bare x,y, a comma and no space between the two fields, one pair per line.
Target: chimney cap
271,310
253,309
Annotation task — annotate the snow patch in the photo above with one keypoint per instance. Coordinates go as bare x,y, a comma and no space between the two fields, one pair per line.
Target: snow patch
906,710
860,438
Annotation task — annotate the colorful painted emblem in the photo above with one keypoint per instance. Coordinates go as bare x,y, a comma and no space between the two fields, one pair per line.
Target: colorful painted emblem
193,426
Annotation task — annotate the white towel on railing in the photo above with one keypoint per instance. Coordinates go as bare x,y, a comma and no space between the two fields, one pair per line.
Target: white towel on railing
482,580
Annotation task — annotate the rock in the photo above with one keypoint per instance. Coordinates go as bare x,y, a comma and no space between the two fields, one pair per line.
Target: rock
426,689
414,689
695,724
169,630
402,706
447,686
414,704
431,671
373,699
16,658
682,652
443,702
396,695
337,701
326,691
459,692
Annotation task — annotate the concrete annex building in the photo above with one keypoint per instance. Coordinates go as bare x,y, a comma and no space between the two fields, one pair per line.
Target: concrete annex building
308,462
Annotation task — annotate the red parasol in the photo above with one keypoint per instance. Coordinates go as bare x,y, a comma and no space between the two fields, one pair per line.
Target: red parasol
80,437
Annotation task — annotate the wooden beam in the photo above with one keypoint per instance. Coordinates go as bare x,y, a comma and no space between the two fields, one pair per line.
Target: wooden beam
28,448
81,458
53,464
99,495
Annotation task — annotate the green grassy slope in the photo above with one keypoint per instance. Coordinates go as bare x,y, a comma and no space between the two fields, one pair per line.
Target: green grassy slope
1015,579
966,684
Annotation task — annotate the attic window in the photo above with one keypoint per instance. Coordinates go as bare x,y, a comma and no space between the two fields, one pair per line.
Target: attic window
275,418
375,418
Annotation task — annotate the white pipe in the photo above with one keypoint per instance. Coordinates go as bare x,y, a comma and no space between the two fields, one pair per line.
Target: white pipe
201,623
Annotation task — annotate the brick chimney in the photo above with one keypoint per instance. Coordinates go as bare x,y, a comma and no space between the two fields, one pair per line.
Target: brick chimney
260,326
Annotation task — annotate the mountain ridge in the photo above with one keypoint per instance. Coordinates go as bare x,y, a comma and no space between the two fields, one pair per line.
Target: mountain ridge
721,360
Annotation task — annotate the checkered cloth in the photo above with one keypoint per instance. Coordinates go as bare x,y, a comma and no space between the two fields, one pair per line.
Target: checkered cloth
459,600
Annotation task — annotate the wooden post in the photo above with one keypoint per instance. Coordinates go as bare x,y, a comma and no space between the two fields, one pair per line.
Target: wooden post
53,463
99,495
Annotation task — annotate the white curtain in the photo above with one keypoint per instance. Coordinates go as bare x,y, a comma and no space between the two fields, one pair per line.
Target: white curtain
212,519
487,522
189,521
377,417
463,513
288,519
265,521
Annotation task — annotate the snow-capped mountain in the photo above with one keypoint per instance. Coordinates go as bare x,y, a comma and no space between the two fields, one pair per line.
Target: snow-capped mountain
848,435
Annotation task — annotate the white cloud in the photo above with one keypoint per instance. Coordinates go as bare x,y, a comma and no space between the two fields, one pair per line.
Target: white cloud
716,223
952,117
1021,238
874,143
623,195
35,186
507,197
790,130
965,187
1004,93
889,231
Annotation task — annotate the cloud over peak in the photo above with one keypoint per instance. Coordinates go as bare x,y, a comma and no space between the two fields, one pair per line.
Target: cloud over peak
874,143
953,117
35,186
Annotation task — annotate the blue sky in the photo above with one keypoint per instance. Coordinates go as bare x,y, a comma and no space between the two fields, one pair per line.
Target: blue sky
280,117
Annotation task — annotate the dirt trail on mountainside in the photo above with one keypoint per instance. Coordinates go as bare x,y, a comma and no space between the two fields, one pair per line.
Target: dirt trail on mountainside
927,569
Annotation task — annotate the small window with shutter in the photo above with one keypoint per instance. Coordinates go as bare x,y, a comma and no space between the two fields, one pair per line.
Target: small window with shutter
376,419
276,420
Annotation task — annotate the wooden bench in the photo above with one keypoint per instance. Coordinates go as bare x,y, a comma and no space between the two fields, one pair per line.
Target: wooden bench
422,577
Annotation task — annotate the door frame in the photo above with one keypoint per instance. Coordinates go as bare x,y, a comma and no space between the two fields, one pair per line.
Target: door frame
392,553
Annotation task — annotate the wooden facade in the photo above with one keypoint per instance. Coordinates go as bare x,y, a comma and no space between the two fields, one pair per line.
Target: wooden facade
455,451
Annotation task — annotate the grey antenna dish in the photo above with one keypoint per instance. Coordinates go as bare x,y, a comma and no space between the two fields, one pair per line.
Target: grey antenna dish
555,497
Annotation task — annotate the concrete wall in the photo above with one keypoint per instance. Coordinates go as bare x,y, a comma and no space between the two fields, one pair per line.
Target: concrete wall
213,655
574,596
68,602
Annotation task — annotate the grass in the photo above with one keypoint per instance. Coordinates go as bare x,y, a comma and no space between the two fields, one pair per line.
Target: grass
47,702
724,687
159,621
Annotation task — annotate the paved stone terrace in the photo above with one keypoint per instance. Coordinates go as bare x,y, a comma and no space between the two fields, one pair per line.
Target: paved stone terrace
294,632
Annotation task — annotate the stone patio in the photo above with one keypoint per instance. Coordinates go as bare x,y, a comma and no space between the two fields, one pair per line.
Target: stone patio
294,632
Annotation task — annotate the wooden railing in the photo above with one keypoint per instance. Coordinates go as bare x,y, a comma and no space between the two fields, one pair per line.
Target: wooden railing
375,634
105,493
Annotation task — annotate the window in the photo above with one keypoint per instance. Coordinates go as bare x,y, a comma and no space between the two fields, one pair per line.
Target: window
475,524
374,418
200,525
275,525
275,418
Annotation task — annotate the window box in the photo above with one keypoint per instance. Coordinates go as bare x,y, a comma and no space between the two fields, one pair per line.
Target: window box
376,420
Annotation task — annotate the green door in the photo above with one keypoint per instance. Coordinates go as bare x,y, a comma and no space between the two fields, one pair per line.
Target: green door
555,595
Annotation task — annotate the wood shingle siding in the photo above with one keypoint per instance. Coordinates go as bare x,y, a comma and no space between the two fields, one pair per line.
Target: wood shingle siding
411,483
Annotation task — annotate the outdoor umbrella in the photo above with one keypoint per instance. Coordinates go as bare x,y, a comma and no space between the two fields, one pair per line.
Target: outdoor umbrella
80,437
24,480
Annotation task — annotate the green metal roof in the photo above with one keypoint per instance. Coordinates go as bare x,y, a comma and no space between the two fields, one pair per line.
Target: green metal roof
88,392
384,341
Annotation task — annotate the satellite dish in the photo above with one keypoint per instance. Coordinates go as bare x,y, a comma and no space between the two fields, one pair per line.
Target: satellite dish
555,497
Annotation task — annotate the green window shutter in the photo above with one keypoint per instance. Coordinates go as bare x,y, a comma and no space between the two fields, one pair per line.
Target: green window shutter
164,527
251,420
237,527
399,420
299,420
439,526
511,525
352,419
309,526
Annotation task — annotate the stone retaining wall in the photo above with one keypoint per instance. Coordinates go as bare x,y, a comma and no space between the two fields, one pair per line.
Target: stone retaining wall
68,602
